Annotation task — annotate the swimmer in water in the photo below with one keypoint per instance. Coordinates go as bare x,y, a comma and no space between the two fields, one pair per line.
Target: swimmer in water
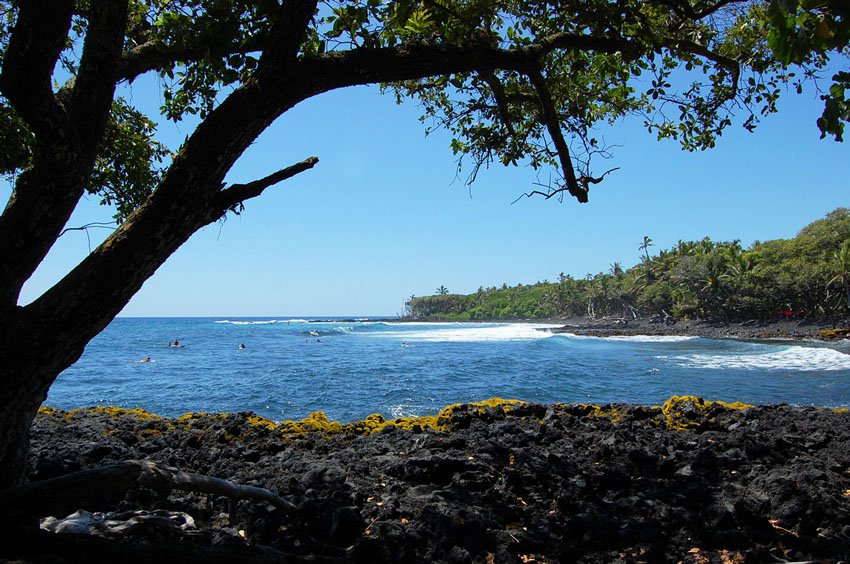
146,359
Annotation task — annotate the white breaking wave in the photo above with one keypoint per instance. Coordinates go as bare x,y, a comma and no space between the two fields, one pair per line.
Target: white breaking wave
397,411
634,338
464,333
791,358
263,321
652,338
426,324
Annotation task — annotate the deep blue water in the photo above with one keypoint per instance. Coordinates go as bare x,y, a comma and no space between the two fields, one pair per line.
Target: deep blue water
290,368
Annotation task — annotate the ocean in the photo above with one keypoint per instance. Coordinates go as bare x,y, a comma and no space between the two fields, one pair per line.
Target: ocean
289,368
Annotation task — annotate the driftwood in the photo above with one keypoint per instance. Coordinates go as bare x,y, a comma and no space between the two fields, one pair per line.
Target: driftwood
173,524
92,488
20,509
85,549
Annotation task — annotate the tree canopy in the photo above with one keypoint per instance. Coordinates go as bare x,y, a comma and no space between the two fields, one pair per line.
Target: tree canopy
515,82
528,81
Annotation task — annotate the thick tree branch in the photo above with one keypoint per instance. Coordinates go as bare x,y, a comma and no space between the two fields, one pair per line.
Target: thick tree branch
367,66
37,40
282,42
46,194
187,198
94,86
156,55
553,126
238,193
288,32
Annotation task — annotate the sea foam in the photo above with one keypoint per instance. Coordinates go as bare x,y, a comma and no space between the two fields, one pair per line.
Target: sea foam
633,338
791,358
653,338
466,333
262,322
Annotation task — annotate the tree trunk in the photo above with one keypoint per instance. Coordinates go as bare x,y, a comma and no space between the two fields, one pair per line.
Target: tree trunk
15,420
32,354
20,397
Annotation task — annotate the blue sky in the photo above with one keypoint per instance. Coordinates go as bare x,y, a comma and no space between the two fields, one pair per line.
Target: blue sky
383,216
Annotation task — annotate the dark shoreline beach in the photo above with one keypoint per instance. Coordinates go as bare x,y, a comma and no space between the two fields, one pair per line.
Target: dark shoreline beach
784,329
690,481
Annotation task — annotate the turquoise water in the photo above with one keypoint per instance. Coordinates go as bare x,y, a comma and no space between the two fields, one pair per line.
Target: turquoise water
350,369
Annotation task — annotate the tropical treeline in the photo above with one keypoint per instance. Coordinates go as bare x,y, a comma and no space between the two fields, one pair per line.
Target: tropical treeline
808,275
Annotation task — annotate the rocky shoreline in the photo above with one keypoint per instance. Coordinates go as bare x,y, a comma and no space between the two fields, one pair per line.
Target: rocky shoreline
691,481
787,329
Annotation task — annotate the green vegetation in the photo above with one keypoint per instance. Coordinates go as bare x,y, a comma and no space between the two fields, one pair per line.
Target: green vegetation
807,275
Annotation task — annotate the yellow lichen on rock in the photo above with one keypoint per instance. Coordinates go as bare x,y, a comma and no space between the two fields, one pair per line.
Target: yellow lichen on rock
677,413
194,418
376,423
316,422
114,412
607,411
688,412
477,408
836,333
258,421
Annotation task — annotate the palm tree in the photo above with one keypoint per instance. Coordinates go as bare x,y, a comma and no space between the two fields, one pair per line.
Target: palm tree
442,291
685,248
647,242
616,270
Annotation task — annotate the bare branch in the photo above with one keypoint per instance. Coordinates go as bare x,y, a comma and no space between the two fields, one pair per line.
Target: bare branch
238,193
85,228
550,193
585,180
